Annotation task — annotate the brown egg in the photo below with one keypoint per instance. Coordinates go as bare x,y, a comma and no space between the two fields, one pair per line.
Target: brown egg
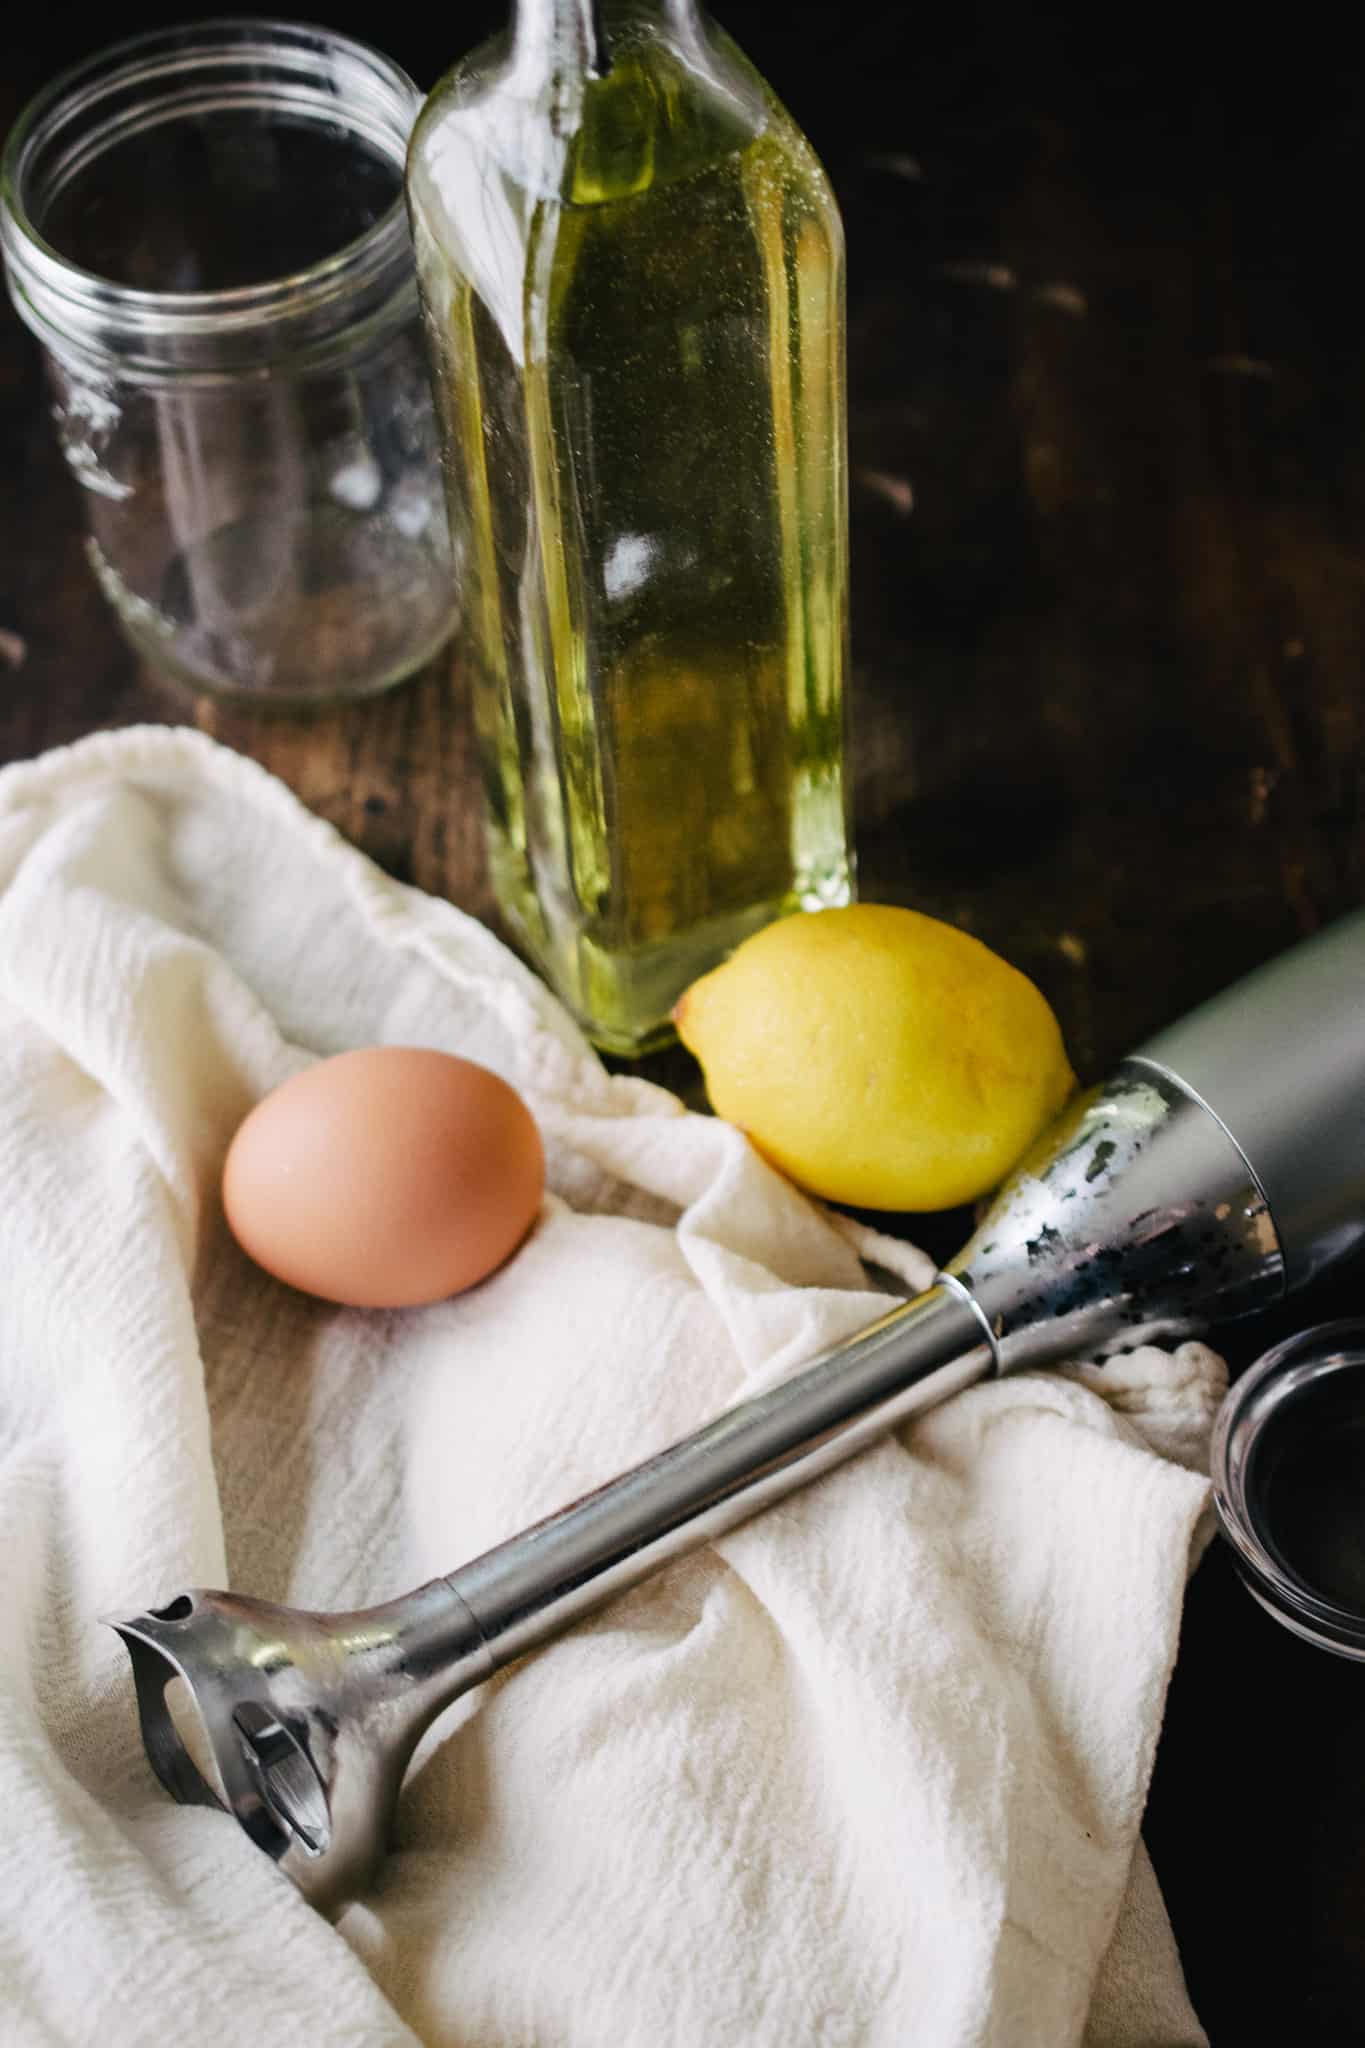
385,1178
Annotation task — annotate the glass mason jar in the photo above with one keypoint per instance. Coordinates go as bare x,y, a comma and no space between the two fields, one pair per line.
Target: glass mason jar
632,271
1285,1465
204,228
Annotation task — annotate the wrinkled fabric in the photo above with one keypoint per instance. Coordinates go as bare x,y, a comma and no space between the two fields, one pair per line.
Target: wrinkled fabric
869,1770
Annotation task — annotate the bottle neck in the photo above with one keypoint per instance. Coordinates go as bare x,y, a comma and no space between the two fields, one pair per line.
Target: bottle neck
585,35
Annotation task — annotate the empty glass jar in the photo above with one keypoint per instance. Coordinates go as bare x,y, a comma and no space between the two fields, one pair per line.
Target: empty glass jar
204,227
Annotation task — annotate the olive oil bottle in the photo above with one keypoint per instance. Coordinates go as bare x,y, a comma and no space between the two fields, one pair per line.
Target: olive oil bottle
631,268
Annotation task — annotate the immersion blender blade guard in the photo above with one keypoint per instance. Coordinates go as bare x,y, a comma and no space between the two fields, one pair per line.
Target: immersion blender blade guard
1223,1163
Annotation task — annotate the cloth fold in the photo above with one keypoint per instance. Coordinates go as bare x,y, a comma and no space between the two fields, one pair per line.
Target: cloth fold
869,1770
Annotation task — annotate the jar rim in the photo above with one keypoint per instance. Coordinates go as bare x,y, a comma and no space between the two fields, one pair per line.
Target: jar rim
183,67
1253,1404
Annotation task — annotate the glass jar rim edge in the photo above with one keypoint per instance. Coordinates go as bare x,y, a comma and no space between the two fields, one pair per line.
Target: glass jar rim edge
383,245
85,291
370,328
1340,1344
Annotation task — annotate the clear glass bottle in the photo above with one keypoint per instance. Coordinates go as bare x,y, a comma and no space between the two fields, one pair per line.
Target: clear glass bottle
631,267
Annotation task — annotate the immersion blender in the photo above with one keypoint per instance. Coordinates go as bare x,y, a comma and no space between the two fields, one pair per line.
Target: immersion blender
1223,1164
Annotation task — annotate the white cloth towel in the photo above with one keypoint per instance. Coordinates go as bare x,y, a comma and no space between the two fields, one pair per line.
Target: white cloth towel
869,1771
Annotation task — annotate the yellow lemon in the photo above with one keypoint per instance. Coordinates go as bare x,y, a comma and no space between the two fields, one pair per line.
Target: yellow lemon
878,1056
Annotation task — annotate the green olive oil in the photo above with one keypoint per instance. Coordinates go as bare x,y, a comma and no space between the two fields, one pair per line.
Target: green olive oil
632,280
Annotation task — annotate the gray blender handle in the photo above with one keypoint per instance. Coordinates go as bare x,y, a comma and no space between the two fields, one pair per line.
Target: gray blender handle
1280,1060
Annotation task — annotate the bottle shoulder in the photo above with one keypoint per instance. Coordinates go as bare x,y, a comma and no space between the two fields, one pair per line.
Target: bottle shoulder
661,113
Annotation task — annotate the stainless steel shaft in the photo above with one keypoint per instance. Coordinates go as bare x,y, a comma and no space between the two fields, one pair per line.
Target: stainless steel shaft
532,1588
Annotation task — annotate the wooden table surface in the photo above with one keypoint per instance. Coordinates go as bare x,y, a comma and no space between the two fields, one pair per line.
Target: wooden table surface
1107,405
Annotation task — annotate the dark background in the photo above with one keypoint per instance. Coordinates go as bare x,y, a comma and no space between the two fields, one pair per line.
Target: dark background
1106,322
